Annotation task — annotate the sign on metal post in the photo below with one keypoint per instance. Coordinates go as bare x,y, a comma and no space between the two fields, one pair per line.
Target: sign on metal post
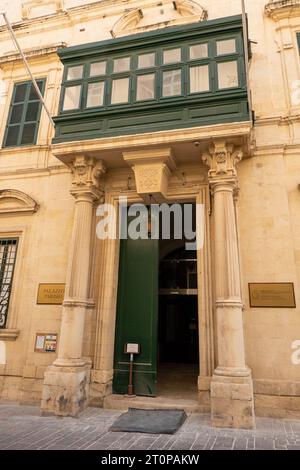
132,349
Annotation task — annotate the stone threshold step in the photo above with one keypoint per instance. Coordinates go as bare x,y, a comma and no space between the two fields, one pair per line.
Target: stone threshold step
122,402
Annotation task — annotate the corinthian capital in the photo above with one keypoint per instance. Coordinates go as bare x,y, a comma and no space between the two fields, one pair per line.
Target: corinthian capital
222,159
87,173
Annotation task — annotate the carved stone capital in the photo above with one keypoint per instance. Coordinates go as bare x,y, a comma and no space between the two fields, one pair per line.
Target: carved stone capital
87,174
222,159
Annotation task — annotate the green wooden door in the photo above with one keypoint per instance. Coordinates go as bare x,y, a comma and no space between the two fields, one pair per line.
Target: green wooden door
137,313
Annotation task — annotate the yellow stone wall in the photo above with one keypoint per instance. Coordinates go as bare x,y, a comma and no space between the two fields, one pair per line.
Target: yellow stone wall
268,207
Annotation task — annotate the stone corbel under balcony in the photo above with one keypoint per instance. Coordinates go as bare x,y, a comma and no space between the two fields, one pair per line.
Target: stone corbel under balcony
9,334
152,169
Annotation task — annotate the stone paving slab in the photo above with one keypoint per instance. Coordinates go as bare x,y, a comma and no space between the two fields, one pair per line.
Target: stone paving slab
22,427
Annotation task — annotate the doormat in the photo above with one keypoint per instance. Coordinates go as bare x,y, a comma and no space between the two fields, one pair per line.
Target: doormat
150,421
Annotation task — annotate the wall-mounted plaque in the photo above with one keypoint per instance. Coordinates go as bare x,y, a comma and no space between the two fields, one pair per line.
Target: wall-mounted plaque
51,294
45,342
272,294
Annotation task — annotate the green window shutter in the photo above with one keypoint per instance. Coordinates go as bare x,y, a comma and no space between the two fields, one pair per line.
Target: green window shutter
24,115
298,38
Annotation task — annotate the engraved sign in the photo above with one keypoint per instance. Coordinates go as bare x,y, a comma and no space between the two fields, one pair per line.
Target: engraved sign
51,294
275,294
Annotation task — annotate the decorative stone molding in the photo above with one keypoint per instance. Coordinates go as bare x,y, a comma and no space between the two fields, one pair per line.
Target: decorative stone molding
189,8
222,159
87,173
29,7
282,9
129,22
13,201
126,22
152,170
9,334
78,303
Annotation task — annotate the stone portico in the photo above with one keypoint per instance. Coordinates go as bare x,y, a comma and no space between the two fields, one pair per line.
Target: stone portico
69,383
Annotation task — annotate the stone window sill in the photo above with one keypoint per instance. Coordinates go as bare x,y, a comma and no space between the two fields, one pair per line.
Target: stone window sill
9,334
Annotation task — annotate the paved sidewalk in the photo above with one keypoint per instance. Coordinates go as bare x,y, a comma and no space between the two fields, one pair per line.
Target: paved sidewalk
21,427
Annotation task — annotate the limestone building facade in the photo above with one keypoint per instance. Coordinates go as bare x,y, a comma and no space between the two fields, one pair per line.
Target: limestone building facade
180,101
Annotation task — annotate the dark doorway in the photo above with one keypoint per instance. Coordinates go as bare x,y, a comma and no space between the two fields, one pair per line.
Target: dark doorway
157,309
178,338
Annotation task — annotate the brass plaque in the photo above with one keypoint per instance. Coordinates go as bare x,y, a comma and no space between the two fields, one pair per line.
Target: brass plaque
275,294
51,294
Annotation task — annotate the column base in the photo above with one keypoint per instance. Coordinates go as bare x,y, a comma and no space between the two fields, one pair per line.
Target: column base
232,403
65,390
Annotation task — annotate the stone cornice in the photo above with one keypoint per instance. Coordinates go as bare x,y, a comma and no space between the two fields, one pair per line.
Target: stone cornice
32,53
283,9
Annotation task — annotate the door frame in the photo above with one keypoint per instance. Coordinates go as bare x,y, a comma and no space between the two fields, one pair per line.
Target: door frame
108,259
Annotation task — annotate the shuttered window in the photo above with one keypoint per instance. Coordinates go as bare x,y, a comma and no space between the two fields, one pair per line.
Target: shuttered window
24,115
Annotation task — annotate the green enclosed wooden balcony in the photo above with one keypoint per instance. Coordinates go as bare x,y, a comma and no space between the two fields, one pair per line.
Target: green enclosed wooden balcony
172,78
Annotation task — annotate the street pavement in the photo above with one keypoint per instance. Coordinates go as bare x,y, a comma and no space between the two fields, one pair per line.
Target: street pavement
22,427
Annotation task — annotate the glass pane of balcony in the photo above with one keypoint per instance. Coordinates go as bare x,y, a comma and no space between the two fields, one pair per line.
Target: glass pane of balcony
172,83
198,51
97,68
72,97
199,79
122,65
95,94
120,88
146,60
75,73
228,75
226,47
145,87
172,55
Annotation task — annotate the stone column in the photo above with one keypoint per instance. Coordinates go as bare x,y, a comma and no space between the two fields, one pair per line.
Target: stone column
231,386
66,382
